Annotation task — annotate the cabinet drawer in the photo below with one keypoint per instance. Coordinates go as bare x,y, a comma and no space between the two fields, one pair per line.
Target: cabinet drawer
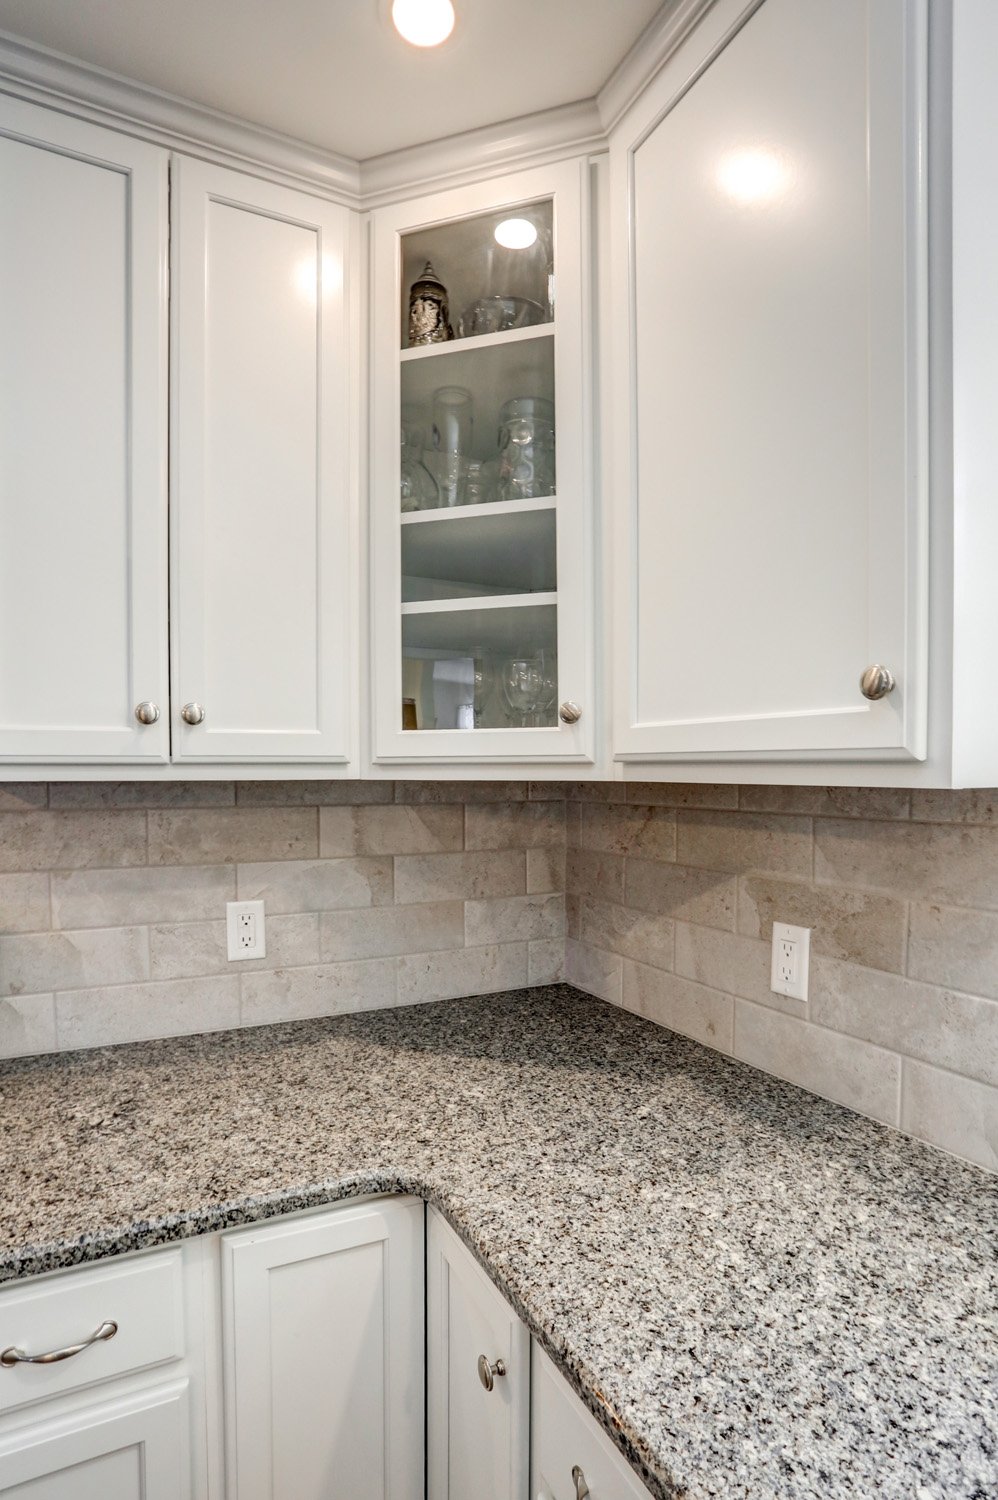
143,1297
566,1437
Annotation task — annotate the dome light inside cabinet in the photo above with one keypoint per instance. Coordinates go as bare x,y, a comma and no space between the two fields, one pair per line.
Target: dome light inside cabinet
424,23
516,234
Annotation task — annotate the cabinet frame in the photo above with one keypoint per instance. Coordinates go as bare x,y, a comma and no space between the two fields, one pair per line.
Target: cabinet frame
568,185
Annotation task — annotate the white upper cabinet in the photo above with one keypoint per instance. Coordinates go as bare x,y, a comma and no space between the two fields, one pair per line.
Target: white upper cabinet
265,428
770,388
83,381
481,520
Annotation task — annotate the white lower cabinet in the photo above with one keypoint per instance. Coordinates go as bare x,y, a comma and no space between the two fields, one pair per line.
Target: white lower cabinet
323,1355
291,1361
133,1449
478,1378
571,1458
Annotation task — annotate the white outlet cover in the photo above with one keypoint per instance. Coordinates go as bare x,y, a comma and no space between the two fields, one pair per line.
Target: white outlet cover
791,961
245,932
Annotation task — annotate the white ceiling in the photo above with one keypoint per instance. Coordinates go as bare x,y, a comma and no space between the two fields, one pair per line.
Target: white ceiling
335,73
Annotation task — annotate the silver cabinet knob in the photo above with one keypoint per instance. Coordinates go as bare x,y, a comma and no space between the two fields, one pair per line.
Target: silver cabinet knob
569,712
876,682
488,1374
582,1491
146,712
192,713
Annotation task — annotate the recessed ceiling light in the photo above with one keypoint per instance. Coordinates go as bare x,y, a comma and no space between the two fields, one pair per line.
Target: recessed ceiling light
424,23
516,234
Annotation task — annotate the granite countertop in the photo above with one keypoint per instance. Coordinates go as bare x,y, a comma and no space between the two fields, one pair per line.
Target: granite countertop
758,1293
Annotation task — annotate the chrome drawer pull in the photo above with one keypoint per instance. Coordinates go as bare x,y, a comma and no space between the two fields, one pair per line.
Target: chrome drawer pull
11,1357
582,1491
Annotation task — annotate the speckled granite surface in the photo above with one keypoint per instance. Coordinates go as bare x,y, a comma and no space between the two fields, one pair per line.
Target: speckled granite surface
758,1292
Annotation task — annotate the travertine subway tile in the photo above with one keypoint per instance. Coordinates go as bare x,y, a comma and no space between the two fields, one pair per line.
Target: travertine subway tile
838,1067
680,1005
592,874
120,898
744,841
512,919
862,926
233,836
325,990
416,792
973,805
955,1113
705,896
31,964
137,1012
951,945
546,961
140,794
312,793
928,861
24,903
191,949
345,831
545,870
459,877
21,796
827,801
27,1025
71,840
382,931
525,825
727,961
632,934
939,1026
619,828
594,971
317,884
682,794
473,971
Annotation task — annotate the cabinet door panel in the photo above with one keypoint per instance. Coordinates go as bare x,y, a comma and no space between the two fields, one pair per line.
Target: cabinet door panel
564,1437
262,469
324,1356
83,630
477,1441
776,509
135,1449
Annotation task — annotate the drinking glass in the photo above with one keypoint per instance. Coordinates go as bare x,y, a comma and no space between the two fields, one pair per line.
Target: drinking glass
453,425
418,486
522,683
485,682
526,449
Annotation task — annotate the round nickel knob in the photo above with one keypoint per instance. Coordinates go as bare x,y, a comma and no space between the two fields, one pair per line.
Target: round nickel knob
487,1373
192,713
569,712
876,682
146,712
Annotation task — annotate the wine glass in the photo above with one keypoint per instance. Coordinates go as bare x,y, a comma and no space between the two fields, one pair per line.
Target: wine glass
485,682
522,683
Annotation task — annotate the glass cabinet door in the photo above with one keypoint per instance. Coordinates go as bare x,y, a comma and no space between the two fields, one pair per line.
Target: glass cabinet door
481,475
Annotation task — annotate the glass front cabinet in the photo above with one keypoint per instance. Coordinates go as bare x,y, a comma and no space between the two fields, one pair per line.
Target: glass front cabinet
482,473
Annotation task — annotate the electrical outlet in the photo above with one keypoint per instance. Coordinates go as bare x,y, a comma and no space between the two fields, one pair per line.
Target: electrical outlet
791,960
244,929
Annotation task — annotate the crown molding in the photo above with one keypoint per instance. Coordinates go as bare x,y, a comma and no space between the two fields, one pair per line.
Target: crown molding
663,36
529,140
48,77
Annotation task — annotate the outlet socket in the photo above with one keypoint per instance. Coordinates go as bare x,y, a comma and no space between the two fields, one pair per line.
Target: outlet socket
244,929
791,961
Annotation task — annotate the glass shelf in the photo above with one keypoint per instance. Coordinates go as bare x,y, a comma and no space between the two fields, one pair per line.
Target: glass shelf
480,341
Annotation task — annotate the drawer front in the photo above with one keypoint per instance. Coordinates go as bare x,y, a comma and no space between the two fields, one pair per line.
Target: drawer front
143,1297
571,1456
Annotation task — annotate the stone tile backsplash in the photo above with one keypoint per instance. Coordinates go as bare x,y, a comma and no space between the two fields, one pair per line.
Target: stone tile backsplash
112,902
672,892
659,897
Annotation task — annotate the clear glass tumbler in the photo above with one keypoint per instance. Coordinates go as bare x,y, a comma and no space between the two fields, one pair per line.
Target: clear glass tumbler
453,427
526,449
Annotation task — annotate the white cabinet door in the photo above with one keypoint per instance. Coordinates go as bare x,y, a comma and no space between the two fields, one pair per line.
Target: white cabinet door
131,1449
83,383
495,570
770,387
571,1458
477,1438
323,1344
264,412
